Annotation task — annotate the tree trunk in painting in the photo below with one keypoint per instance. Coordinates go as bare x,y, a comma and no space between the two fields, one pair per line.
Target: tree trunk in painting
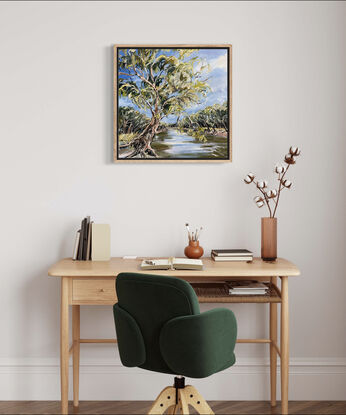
142,144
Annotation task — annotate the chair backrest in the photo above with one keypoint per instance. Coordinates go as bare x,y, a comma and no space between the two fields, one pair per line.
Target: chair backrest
145,304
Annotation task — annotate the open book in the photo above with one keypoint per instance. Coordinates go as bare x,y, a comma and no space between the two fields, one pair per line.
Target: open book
172,263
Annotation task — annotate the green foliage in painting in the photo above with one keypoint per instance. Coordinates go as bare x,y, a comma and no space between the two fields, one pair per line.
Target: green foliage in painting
163,84
209,121
131,121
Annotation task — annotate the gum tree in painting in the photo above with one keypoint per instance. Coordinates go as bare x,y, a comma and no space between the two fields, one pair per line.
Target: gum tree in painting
164,90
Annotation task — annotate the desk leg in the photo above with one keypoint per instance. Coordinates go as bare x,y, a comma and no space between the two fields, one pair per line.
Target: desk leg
64,352
284,345
76,352
273,330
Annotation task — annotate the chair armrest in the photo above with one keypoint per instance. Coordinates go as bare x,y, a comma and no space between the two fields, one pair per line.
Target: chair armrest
199,345
130,340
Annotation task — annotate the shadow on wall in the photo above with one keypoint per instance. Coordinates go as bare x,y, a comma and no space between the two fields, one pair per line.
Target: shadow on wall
38,302
40,298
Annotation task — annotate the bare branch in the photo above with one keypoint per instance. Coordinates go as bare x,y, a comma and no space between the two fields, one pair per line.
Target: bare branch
143,79
279,190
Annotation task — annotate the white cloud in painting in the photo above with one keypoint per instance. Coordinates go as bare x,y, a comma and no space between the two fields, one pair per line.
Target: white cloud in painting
219,63
202,63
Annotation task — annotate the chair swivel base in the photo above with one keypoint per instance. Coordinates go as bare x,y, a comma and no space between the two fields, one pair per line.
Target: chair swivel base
176,399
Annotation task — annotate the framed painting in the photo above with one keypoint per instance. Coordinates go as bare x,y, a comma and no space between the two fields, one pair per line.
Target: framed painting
173,103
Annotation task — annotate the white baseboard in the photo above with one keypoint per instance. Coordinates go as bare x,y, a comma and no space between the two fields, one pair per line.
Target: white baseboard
38,379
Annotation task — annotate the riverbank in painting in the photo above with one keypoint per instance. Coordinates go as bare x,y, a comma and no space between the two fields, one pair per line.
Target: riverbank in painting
173,144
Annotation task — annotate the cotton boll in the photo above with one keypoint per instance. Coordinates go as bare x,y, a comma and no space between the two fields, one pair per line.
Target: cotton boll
289,159
249,178
294,151
279,169
271,194
287,183
262,184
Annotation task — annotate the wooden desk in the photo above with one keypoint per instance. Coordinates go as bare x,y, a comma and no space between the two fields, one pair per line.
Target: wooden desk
89,283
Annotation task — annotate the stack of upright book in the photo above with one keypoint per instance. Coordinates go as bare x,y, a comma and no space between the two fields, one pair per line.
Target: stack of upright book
92,242
82,245
231,255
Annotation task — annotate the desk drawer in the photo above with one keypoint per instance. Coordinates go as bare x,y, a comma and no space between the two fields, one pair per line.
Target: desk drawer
85,291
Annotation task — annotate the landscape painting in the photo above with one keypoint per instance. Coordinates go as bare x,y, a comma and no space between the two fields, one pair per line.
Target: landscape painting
172,103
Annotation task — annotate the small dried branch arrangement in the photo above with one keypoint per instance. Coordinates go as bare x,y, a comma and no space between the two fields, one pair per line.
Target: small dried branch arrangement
271,198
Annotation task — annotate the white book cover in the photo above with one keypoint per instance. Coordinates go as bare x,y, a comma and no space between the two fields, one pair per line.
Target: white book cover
100,242
258,292
252,286
76,244
89,241
232,259
186,261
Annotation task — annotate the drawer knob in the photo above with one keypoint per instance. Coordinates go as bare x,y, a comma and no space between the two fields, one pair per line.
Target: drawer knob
102,290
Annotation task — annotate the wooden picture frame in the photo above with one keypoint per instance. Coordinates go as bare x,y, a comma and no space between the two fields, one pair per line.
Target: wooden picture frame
172,103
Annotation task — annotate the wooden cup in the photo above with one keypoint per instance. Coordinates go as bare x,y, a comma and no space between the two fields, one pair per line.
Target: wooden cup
269,239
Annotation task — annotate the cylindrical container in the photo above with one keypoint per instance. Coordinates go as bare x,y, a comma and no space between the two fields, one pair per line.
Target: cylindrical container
193,250
269,239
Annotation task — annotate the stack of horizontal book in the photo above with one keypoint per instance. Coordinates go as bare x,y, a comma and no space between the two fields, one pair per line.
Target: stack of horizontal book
248,288
231,255
92,242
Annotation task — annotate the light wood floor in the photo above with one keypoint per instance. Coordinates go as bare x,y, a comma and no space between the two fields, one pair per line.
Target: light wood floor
141,407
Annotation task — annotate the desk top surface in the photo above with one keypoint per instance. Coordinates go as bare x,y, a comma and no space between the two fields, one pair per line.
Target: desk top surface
257,268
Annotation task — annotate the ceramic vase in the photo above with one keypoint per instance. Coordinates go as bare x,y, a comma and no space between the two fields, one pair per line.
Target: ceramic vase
193,250
269,239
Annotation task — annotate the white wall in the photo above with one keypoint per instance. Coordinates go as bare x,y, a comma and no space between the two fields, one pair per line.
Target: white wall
289,65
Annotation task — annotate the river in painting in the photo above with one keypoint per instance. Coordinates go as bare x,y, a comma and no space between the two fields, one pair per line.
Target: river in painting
177,145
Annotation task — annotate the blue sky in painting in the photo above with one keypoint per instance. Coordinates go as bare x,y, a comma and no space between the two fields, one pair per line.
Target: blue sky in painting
217,79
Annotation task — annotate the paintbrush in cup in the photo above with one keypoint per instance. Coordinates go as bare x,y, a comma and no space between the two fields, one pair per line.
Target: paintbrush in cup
188,231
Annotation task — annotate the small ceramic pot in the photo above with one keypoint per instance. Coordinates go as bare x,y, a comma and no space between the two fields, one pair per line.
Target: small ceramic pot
193,250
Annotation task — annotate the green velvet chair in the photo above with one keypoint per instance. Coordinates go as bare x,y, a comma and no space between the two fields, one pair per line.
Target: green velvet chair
160,328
